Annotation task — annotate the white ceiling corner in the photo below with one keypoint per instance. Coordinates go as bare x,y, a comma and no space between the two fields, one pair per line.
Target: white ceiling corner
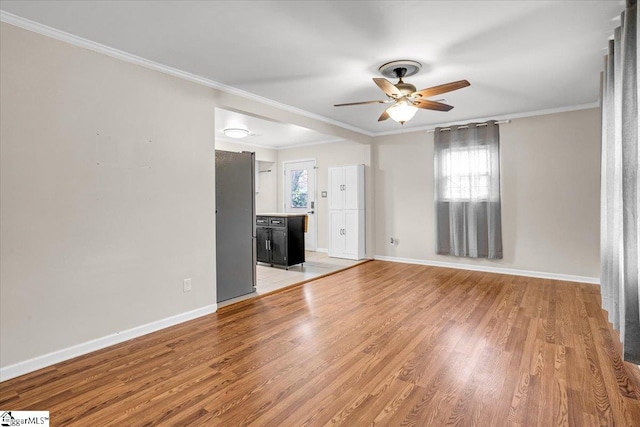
520,56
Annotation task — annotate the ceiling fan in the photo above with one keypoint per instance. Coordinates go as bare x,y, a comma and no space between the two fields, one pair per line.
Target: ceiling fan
405,98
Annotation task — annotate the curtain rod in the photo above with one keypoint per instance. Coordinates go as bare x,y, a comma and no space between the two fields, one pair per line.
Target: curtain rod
499,122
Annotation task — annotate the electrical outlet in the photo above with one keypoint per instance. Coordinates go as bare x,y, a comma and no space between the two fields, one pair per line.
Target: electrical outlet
186,285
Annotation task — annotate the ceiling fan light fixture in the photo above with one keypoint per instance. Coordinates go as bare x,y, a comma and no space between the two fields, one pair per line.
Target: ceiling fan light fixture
235,133
402,112
407,100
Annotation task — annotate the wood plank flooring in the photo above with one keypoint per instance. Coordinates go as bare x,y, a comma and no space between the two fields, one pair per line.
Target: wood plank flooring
379,344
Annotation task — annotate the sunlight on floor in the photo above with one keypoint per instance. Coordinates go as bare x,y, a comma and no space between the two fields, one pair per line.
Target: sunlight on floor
317,263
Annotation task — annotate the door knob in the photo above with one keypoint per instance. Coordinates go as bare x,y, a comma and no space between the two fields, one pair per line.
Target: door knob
310,212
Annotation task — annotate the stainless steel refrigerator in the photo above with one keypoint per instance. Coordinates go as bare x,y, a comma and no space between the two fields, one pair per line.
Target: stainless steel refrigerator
235,224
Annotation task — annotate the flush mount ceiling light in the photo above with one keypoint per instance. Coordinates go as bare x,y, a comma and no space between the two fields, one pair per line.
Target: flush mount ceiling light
236,133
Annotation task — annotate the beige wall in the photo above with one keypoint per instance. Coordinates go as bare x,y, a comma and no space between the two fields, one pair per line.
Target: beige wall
550,195
92,249
326,155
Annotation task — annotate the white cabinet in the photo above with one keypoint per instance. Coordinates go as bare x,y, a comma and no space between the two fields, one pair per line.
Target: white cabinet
346,212
347,234
346,187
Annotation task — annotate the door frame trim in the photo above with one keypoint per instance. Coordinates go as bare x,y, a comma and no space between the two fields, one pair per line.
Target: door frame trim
315,195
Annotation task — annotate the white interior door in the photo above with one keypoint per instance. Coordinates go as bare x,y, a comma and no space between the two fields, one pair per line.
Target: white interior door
300,195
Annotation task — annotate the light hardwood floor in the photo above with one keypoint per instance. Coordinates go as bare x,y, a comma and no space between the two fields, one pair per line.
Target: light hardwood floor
381,343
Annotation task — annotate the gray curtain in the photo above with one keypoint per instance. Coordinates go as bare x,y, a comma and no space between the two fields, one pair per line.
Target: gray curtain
467,190
619,184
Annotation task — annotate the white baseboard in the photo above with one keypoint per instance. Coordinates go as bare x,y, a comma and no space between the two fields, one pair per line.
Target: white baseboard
323,250
58,356
490,269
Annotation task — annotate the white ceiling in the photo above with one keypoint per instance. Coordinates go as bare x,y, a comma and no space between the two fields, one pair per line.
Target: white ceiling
520,56
267,133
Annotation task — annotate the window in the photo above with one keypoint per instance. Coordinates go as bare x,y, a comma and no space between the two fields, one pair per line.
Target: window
299,191
466,165
465,173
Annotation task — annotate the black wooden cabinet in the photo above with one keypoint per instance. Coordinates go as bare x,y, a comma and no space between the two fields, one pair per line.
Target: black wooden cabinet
280,239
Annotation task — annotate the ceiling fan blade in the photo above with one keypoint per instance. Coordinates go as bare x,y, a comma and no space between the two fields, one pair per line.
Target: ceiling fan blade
432,105
437,90
388,87
362,103
384,116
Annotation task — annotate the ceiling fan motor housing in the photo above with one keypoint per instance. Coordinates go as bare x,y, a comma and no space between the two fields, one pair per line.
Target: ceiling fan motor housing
400,69
405,88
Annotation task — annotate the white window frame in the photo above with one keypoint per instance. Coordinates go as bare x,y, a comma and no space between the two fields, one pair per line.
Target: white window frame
462,177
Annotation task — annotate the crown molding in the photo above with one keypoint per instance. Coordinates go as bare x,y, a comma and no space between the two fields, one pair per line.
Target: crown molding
500,117
45,30
281,147
309,144
63,36
242,142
